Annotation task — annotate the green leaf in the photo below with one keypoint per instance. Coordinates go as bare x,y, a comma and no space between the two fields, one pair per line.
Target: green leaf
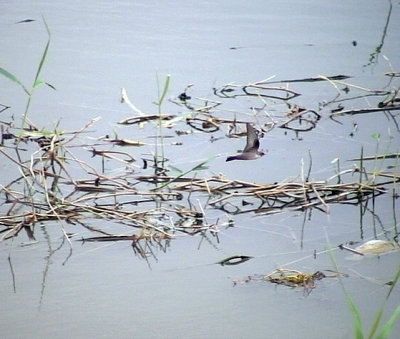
358,330
394,282
165,90
385,332
175,169
183,174
13,78
200,168
41,82
376,136
38,83
43,59
377,321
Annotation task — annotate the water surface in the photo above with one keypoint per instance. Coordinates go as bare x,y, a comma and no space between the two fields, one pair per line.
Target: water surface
56,289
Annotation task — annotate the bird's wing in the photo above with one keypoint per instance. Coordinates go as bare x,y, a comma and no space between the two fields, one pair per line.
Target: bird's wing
252,139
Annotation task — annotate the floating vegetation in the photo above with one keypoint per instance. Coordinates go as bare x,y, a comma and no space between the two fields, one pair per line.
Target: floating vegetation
288,277
66,177
293,278
236,197
104,193
56,185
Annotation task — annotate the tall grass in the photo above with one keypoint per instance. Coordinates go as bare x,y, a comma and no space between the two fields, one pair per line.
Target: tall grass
160,139
37,81
386,329
159,158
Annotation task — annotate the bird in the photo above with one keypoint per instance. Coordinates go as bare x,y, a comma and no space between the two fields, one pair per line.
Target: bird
251,151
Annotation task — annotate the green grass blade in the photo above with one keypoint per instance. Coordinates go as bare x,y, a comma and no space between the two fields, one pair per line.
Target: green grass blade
37,82
393,283
176,169
197,167
41,82
377,321
386,330
200,167
13,78
165,90
43,59
358,331
358,328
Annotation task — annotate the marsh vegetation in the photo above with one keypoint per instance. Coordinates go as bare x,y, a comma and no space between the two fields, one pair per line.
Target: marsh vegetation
79,181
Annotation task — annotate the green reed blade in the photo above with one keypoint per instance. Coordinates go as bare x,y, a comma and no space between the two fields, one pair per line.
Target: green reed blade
13,78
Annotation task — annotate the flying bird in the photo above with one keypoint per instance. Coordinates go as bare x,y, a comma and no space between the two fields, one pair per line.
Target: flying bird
251,151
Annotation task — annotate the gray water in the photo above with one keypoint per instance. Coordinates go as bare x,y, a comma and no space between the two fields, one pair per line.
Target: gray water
103,289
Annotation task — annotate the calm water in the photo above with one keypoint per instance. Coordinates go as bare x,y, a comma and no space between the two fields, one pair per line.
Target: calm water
104,289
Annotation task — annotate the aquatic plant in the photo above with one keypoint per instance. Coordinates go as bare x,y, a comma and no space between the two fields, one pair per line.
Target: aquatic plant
37,80
386,328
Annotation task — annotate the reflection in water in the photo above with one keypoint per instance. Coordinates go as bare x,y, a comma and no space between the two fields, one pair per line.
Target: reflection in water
48,259
70,180
373,58
160,205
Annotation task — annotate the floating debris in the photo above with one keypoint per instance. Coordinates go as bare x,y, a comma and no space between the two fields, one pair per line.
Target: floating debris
127,142
24,21
344,247
287,277
274,198
234,260
160,205
378,247
145,118
293,278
